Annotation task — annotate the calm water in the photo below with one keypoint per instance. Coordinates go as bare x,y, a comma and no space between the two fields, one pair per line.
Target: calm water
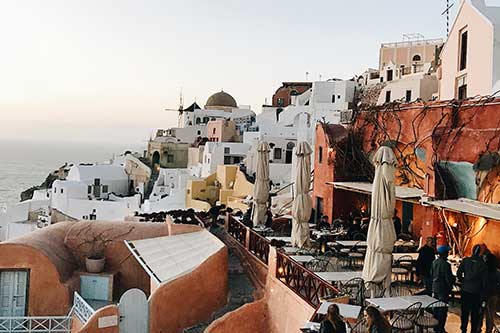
24,164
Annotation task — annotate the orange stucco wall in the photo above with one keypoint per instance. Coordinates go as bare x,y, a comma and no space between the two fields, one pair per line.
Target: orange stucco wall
279,311
47,294
92,325
192,298
53,259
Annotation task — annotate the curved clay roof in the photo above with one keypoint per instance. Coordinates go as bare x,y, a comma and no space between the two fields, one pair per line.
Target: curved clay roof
221,99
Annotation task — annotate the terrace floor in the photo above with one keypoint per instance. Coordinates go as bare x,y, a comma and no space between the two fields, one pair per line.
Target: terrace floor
241,290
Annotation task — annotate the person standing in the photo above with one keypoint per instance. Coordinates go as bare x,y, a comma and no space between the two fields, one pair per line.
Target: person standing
426,256
397,222
442,285
333,322
473,274
493,290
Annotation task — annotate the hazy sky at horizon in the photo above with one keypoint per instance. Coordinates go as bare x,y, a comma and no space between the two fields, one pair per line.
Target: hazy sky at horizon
104,70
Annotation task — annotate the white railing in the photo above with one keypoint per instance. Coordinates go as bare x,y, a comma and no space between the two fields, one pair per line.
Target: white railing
35,324
81,308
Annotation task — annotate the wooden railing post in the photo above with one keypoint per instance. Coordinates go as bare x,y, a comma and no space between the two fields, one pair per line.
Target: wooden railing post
247,238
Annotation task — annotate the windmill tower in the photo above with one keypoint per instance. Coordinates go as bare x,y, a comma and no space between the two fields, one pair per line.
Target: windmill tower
447,13
180,109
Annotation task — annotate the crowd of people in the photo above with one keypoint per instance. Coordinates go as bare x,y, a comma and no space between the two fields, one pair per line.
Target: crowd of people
478,280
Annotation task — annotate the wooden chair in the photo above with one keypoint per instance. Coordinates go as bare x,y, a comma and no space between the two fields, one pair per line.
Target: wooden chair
426,320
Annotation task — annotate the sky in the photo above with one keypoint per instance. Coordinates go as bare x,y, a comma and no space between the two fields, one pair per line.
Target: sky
94,71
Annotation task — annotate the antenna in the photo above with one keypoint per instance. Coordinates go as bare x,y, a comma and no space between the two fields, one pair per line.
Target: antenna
447,12
307,76
320,77
181,101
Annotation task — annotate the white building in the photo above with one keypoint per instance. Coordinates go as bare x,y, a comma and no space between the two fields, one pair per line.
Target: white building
221,153
220,105
410,88
169,191
470,59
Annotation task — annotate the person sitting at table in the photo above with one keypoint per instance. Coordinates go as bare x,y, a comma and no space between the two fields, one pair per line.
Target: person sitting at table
323,223
426,256
397,222
377,323
442,285
333,322
355,228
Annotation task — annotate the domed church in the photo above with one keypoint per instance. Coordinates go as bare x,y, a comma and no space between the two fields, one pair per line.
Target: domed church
221,101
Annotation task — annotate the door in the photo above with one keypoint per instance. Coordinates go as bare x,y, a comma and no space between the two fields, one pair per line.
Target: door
133,309
13,291
407,216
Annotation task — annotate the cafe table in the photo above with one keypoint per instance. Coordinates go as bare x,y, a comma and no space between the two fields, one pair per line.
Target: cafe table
339,276
388,304
302,258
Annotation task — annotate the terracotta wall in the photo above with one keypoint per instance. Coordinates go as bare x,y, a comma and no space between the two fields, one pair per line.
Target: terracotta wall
323,173
192,298
280,310
92,325
47,294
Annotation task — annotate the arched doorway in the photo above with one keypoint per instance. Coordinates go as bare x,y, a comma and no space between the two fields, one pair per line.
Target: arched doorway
156,159
289,152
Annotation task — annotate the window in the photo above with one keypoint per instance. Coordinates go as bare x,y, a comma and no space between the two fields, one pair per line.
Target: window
463,50
462,87
281,101
387,96
55,190
89,189
227,150
199,132
417,57
97,182
198,120
105,189
170,158
227,160
213,132
277,153
62,191
320,154
333,98
338,96
389,75
408,96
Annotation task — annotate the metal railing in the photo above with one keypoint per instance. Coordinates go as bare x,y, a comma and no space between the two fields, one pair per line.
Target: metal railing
81,308
259,246
35,324
303,282
238,230
435,41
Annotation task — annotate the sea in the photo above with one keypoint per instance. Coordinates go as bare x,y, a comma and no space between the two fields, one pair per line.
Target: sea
24,163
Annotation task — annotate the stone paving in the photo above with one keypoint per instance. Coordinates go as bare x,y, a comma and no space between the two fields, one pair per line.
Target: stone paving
241,291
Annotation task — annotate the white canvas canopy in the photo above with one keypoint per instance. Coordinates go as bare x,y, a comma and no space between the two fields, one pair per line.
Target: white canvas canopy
302,206
381,233
261,187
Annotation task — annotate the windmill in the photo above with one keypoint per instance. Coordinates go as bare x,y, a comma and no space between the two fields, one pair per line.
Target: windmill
180,110
447,12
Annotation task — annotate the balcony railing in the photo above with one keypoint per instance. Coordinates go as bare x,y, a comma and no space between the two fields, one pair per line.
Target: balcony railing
259,246
35,324
238,230
303,282
81,308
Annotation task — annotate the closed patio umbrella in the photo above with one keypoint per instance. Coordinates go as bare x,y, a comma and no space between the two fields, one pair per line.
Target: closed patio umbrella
381,233
261,187
301,209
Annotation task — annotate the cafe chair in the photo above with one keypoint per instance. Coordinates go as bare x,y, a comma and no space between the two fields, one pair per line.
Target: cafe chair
402,268
354,288
426,320
399,288
374,290
405,321
360,327
317,265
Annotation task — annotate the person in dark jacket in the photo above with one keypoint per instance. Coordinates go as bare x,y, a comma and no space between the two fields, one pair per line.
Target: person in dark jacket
473,274
333,322
397,222
442,284
493,290
426,256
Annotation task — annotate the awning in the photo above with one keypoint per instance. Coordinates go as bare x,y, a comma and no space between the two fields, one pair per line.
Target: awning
167,258
365,187
470,207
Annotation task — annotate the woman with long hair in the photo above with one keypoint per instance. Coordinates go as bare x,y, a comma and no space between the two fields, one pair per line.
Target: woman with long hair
377,323
333,322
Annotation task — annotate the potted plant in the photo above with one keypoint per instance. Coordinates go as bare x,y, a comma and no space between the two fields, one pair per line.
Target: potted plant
93,244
